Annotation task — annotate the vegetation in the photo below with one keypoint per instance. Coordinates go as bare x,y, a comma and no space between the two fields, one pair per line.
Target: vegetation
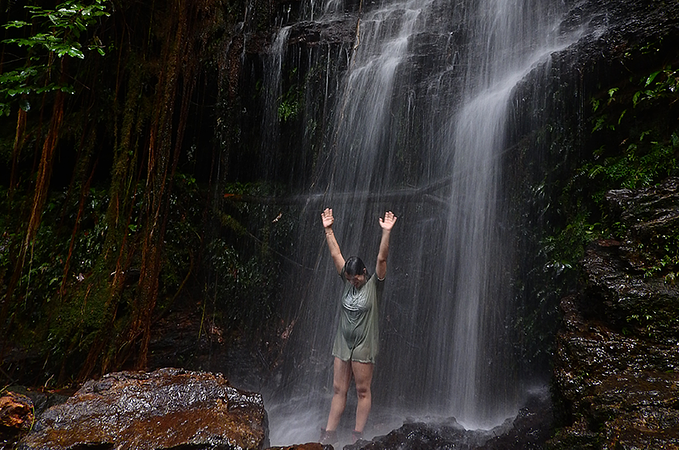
115,158
125,165
638,117
60,31
626,138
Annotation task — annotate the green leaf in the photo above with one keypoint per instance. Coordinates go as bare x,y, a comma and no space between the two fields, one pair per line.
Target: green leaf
595,104
599,124
635,97
16,24
57,31
5,109
651,77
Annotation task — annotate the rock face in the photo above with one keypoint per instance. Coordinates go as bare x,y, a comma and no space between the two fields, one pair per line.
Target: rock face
617,361
168,408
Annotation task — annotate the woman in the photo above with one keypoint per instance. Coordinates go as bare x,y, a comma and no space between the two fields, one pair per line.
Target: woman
356,341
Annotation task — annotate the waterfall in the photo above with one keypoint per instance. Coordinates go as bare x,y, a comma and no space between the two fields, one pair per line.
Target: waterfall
419,126
510,37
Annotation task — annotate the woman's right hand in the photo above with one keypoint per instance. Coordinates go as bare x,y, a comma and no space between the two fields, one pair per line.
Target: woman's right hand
327,218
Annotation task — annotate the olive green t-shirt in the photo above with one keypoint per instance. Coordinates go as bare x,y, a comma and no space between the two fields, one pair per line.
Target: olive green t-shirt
357,337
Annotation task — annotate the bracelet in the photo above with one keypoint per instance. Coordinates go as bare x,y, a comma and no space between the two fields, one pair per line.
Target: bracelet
328,234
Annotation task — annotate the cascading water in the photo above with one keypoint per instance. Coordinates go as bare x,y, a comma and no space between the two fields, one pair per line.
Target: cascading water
509,38
272,84
419,126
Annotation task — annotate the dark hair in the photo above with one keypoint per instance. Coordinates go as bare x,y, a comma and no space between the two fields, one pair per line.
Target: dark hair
354,266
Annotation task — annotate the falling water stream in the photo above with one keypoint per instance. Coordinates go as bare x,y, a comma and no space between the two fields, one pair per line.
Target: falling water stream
428,86
510,38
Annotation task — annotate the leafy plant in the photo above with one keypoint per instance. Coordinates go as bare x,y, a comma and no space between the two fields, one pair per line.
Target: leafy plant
640,164
648,151
637,147
59,34
566,248
289,105
244,258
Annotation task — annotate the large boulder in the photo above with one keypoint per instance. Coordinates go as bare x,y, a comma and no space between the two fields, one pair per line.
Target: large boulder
167,408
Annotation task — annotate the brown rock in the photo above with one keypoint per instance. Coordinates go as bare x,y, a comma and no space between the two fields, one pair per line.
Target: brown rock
168,408
16,411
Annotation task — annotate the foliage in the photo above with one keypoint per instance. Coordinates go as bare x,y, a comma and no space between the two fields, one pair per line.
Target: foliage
635,116
289,104
244,258
649,152
567,247
67,21
60,33
183,235
127,169
44,283
60,311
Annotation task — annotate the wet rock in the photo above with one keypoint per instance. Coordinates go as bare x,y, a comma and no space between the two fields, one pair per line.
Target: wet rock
616,368
16,417
627,297
167,408
310,33
16,411
652,215
416,435
617,390
307,446
528,430
632,278
613,29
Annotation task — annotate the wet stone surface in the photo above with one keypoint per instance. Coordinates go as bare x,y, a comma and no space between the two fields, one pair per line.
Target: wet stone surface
617,360
307,446
167,408
16,417
528,430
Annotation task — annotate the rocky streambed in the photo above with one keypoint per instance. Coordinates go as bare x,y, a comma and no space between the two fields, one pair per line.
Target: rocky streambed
177,409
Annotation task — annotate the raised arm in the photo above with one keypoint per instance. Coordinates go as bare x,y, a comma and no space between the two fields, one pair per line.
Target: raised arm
333,246
387,224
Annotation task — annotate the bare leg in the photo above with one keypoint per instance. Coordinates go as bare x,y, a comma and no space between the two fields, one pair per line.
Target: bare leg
340,385
363,375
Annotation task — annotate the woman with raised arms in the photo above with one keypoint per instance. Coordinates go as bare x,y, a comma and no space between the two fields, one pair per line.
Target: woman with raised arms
357,340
